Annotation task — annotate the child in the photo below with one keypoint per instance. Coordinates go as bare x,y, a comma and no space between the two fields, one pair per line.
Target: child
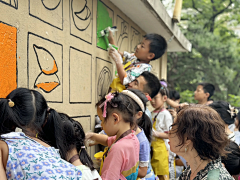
153,46
162,120
143,132
121,160
73,139
23,154
203,93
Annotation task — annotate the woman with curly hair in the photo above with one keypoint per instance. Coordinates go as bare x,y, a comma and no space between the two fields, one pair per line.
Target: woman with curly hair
198,135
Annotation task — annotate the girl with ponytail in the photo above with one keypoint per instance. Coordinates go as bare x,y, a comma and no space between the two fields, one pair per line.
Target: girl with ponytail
28,154
73,139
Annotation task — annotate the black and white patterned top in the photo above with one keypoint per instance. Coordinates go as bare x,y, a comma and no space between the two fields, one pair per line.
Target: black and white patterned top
215,164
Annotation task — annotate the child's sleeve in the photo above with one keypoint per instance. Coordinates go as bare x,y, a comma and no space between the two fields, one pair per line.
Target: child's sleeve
136,71
113,163
167,121
144,154
159,122
128,57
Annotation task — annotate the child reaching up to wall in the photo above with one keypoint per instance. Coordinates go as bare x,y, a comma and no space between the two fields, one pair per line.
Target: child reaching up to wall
121,160
162,157
153,46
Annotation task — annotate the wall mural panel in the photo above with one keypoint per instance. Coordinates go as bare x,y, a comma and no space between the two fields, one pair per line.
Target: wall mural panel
135,39
80,76
104,77
8,59
104,19
48,11
122,34
81,14
12,3
45,67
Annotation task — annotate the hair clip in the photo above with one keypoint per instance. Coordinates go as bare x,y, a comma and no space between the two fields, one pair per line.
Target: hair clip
82,147
162,87
148,97
231,111
10,103
163,83
108,99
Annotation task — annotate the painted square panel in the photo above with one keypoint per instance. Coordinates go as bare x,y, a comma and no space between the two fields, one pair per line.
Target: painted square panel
122,34
48,11
81,16
80,87
104,70
12,3
135,39
8,59
45,70
104,19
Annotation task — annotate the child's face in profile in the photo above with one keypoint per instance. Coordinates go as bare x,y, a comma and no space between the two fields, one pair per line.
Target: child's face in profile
158,101
107,125
199,93
142,51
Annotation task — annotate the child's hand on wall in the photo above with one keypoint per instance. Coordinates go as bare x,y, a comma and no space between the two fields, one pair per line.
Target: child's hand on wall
114,55
89,141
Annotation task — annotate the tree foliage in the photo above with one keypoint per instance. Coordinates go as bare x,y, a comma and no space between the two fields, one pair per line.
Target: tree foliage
208,25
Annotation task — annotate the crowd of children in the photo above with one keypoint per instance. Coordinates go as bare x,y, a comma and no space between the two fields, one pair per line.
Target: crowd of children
52,145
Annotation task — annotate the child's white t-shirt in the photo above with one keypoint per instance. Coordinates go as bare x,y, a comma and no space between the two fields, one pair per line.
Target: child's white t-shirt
163,122
87,174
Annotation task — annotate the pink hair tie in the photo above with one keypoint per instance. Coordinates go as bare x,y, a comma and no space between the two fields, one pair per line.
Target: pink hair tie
108,99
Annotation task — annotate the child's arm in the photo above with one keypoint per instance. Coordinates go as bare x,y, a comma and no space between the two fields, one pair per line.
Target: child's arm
97,138
3,159
118,60
142,172
128,76
112,41
161,135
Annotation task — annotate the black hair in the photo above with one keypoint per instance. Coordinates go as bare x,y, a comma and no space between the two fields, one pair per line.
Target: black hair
223,110
153,85
158,44
174,95
232,160
121,103
73,136
144,122
29,110
163,90
208,88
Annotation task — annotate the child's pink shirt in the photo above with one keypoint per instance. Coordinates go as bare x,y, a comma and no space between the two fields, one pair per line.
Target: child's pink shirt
123,156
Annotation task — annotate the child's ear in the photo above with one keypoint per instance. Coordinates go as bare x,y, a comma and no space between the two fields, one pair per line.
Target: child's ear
165,98
116,118
139,114
151,55
207,95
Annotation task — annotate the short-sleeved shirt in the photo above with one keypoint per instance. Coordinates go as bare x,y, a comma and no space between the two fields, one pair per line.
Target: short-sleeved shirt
144,152
136,68
122,159
28,159
203,174
163,122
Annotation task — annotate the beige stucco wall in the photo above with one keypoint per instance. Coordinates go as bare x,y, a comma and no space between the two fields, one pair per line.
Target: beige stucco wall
47,34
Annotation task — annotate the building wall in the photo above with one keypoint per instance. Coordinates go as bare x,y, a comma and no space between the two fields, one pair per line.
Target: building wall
52,46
